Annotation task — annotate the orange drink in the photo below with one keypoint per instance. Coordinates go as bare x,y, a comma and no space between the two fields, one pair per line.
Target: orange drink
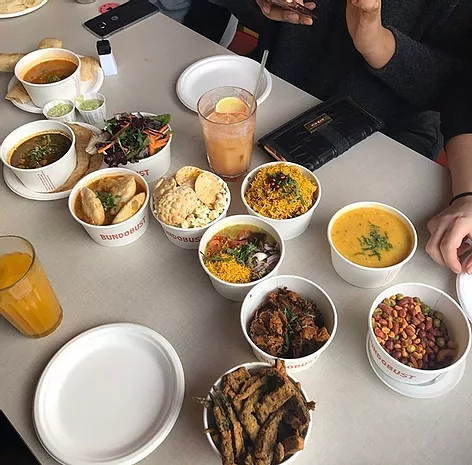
27,299
228,130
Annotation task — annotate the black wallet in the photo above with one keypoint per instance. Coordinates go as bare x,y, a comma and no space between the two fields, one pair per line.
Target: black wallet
321,133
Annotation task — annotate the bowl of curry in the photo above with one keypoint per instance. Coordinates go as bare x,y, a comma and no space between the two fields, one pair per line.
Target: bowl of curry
41,154
370,243
49,74
111,205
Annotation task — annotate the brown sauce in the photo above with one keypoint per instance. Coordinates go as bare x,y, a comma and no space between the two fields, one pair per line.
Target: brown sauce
50,71
103,188
40,150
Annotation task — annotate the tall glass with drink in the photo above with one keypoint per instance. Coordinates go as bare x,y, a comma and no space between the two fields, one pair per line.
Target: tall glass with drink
27,299
228,125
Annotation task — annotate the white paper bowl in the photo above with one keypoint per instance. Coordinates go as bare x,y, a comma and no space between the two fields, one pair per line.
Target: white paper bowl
155,166
456,322
362,276
292,227
189,238
49,177
233,291
67,118
252,367
114,235
97,116
41,94
306,289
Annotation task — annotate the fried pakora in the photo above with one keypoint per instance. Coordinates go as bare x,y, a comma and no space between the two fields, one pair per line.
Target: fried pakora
287,325
259,417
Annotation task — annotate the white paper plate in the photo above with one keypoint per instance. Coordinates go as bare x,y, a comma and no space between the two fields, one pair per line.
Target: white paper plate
93,85
16,186
218,71
23,12
464,292
436,388
110,396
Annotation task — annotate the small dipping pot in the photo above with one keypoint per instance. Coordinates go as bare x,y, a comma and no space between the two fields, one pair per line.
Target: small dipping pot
68,117
93,116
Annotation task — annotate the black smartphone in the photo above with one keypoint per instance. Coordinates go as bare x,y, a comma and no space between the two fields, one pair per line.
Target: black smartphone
13,449
292,5
120,18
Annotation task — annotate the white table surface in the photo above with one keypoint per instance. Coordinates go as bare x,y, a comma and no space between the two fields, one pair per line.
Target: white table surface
358,420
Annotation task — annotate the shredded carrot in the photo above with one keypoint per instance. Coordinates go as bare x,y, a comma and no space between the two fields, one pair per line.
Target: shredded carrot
106,147
156,143
120,131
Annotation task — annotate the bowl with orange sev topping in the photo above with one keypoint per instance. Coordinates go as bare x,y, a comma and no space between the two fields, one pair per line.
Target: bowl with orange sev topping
238,252
284,194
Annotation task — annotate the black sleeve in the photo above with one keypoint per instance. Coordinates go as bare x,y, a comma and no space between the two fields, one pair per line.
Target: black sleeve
456,109
247,11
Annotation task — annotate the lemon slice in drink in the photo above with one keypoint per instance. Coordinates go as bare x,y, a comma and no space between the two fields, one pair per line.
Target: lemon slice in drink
231,105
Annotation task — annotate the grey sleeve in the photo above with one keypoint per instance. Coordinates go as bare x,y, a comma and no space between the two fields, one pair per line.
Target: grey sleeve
417,72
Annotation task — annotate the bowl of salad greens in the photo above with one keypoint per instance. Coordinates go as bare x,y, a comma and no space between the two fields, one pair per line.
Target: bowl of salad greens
138,141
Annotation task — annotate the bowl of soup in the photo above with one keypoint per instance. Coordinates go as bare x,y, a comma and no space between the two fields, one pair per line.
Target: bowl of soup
49,74
239,252
41,154
370,243
111,205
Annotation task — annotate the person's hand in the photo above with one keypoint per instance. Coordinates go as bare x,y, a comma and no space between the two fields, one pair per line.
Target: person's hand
279,14
449,233
371,39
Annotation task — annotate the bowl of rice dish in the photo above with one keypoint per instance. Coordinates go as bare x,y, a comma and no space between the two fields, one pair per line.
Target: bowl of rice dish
284,194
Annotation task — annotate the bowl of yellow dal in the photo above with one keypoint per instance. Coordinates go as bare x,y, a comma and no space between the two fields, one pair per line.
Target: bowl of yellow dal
370,243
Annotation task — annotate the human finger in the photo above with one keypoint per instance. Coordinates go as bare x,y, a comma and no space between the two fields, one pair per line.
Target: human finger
451,242
468,265
368,6
276,13
432,246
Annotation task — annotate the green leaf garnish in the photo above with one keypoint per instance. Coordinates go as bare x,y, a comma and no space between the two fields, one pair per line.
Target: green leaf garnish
53,78
287,185
376,242
39,152
242,253
107,200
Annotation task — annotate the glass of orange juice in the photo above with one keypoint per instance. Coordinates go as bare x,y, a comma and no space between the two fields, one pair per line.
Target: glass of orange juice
27,300
228,124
